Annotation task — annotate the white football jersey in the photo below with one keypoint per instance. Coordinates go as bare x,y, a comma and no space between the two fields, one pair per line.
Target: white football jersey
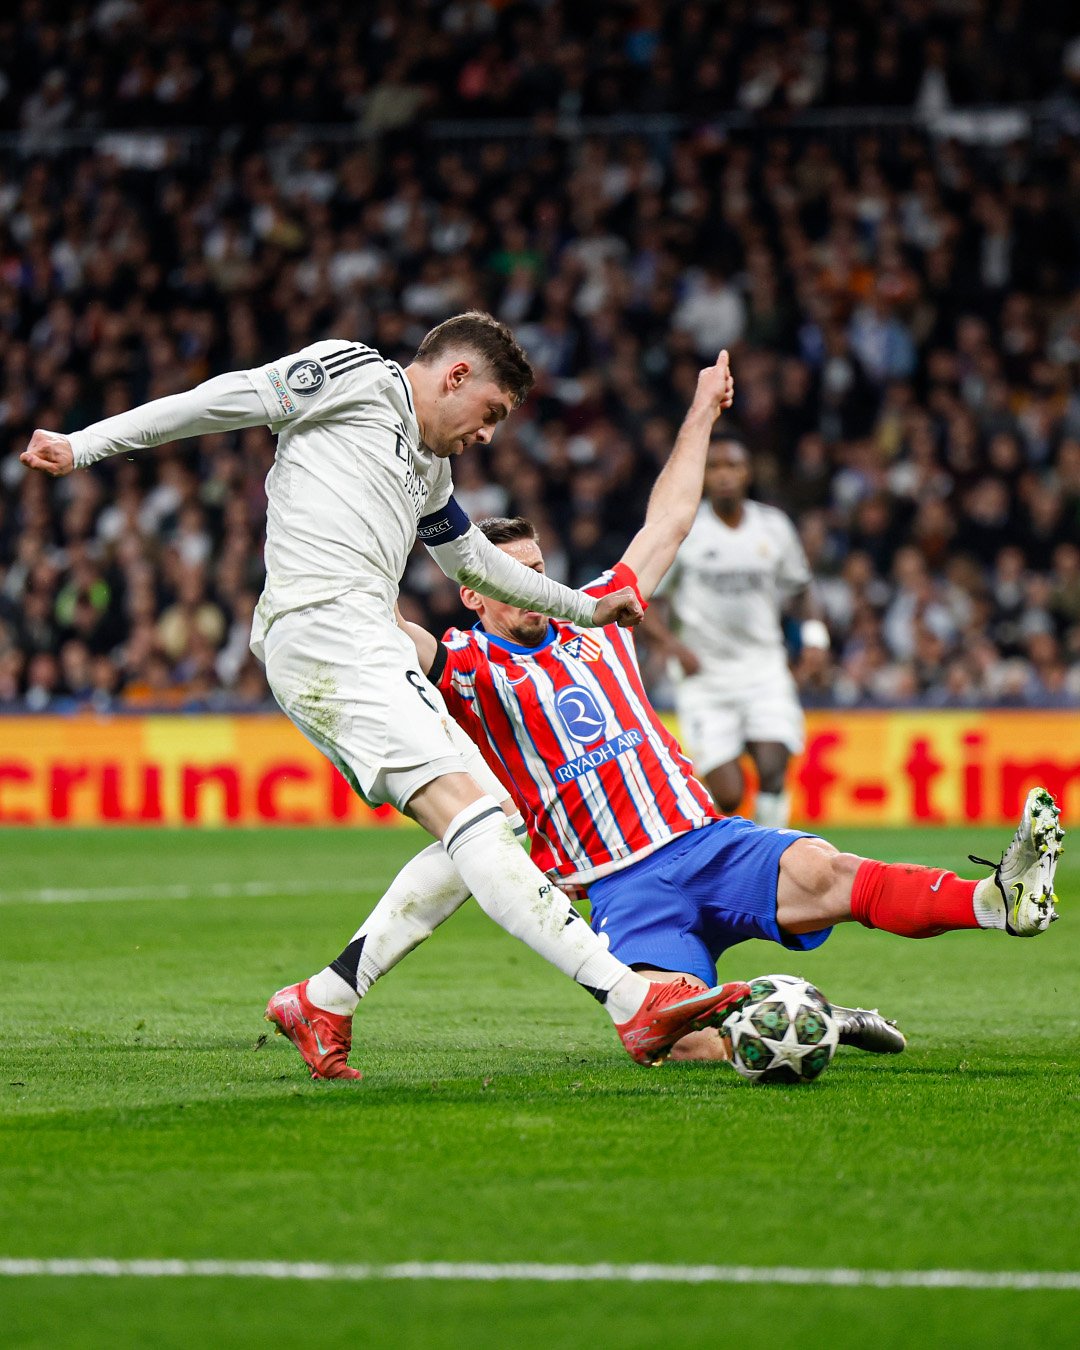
727,585
352,486
350,480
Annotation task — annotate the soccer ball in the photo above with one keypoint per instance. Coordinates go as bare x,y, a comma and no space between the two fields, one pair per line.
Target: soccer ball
786,1034
765,986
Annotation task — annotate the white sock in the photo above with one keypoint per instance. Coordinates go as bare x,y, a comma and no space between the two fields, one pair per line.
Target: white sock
773,809
424,894
988,905
429,888
328,991
512,890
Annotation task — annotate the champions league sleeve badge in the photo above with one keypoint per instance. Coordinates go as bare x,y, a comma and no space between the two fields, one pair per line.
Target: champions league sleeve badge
305,378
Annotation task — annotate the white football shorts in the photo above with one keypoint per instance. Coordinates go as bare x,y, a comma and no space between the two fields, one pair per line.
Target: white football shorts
716,720
348,677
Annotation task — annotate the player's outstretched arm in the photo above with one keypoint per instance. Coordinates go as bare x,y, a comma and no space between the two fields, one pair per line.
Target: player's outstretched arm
225,403
464,554
676,494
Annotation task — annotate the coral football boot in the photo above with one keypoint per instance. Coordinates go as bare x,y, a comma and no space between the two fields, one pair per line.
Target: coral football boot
324,1039
672,1010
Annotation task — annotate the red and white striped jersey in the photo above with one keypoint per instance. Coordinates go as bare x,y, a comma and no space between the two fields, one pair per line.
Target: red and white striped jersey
569,728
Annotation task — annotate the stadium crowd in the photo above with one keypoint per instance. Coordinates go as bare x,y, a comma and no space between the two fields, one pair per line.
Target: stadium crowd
902,308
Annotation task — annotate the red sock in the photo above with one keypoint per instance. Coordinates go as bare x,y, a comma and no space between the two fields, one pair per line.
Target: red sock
915,902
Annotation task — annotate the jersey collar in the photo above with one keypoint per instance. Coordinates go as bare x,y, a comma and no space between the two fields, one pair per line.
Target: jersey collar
516,648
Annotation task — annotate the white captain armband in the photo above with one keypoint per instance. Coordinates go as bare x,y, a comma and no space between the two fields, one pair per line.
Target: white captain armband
442,526
438,665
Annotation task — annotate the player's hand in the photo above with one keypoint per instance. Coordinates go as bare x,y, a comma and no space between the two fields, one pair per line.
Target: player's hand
49,452
716,386
687,659
621,607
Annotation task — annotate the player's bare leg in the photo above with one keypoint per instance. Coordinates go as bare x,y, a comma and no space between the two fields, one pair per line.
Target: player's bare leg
773,808
727,785
813,889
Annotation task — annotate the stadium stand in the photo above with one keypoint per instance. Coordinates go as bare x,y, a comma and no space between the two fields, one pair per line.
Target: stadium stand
879,214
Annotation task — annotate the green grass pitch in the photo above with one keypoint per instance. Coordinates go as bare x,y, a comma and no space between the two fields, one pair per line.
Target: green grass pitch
143,1115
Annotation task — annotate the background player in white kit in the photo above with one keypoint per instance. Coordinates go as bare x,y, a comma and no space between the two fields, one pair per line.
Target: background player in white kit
361,471
740,565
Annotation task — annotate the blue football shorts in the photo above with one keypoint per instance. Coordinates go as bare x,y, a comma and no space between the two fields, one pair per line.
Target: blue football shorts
684,905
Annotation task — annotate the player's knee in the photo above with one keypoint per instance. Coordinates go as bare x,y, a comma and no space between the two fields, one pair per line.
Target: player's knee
771,761
804,886
726,793
811,863
815,886
842,869
772,779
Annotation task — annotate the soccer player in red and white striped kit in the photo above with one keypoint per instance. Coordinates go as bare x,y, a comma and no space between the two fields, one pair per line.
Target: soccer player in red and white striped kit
563,721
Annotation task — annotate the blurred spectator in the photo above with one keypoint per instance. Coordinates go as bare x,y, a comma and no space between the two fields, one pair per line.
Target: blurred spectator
42,682
902,308
192,616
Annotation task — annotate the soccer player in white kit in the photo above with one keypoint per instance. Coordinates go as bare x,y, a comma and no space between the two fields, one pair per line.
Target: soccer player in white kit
362,470
564,721
740,564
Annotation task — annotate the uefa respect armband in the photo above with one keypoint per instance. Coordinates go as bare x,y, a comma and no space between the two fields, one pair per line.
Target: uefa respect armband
442,526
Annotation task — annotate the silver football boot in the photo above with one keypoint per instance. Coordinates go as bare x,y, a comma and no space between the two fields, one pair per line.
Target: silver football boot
1025,875
866,1029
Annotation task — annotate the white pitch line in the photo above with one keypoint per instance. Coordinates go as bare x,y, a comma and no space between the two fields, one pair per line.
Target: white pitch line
211,890
837,1277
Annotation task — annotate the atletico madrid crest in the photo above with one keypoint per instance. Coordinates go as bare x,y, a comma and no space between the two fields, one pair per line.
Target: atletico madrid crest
583,647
